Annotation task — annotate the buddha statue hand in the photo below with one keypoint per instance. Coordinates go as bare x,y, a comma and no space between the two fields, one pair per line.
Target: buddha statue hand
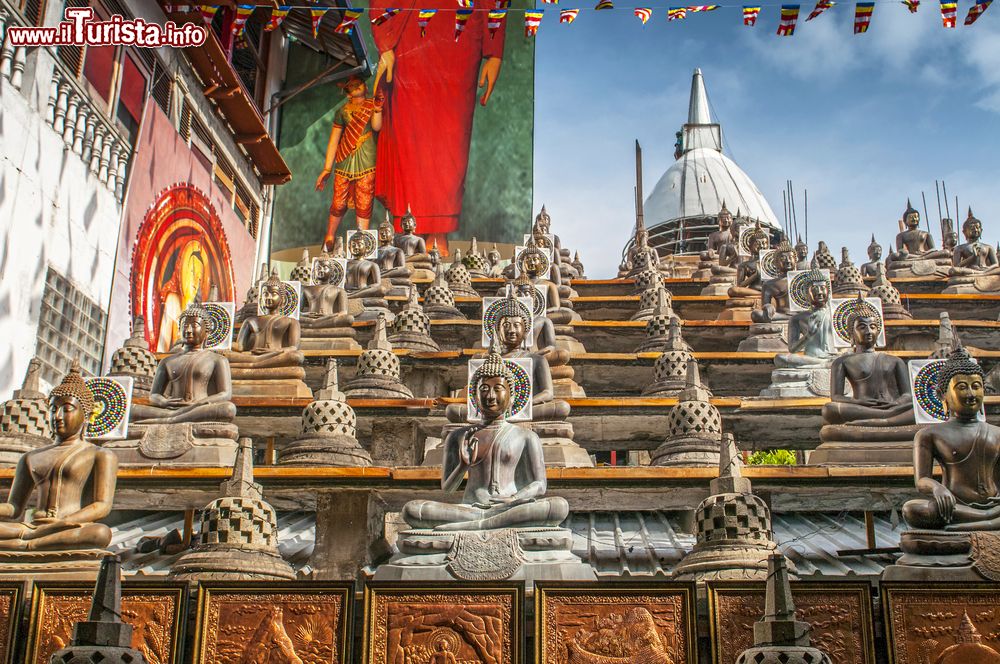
945,501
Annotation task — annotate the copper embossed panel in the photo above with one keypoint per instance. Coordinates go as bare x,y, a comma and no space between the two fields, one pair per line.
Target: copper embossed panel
609,623
154,611
300,623
840,615
946,623
453,624
10,603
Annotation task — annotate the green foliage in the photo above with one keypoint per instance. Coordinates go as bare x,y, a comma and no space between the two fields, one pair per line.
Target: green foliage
772,458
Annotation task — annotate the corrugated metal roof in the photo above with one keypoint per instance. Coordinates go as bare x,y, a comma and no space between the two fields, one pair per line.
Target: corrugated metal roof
617,544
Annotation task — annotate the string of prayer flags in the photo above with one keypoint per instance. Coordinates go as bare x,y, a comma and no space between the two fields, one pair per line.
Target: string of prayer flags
465,3
567,16
676,13
384,16
912,5
550,2
424,17
494,21
643,14
821,6
208,12
702,8
976,10
750,14
277,16
604,4
949,13
863,16
348,21
240,19
789,16
532,19
317,17
461,18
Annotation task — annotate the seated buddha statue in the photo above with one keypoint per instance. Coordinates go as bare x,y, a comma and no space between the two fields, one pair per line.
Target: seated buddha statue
767,333
493,258
543,226
547,344
65,518
640,255
391,259
325,319
533,262
869,270
267,360
414,248
504,463
364,277
716,241
973,260
914,245
801,255
744,293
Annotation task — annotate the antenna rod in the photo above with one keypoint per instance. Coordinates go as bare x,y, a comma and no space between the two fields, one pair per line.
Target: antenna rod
944,190
784,206
638,185
924,197
957,213
806,201
791,196
937,190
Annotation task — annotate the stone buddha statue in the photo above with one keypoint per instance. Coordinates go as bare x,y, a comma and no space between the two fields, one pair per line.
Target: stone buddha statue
364,280
640,255
75,480
325,320
546,343
268,361
716,241
532,262
392,260
770,319
870,269
802,261
504,499
745,293
493,258
415,249
804,371
874,423
913,248
955,526
578,266
974,263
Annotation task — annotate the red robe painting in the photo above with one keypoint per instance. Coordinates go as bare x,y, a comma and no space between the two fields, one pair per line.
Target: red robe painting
423,148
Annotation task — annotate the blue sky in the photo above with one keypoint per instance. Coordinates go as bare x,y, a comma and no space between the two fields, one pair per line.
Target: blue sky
861,121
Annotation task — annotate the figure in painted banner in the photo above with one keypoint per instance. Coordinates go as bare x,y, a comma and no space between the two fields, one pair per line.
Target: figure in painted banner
350,156
431,88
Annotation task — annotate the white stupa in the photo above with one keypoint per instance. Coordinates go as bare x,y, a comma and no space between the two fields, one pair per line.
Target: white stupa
681,211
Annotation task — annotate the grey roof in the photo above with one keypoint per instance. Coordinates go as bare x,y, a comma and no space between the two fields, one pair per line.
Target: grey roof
617,544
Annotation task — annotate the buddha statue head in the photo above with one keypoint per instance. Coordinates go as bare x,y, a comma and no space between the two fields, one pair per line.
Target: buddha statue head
874,250
950,240
785,257
801,250
193,328
911,218
513,323
323,269
864,326
71,405
493,256
725,217
960,385
819,288
385,231
758,240
532,260
491,385
271,295
408,223
972,228
358,245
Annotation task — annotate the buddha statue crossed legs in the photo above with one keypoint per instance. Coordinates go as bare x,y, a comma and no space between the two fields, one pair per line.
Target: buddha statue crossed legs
975,268
915,254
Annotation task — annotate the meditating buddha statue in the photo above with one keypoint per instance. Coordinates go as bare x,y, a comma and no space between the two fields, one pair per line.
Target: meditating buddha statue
533,262
770,320
546,343
325,320
955,527
915,255
267,360
804,371
974,264
716,241
745,293
503,506
415,249
494,258
802,261
62,534
874,424
364,281
640,255
869,270
392,260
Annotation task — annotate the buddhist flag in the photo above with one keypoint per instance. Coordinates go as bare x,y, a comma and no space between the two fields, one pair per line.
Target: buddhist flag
494,21
240,19
277,16
384,16
750,14
949,13
532,19
348,21
465,3
820,7
676,13
863,16
424,17
317,17
912,5
789,15
604,4
550,2
461,18
702,8
976,11
208,12
567,16
643,14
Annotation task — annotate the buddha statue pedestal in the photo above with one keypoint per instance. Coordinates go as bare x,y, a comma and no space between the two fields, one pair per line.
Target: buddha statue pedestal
720,281
973,284
788,382
740,305
78,565
918,268
766,337
329,338
280,382
847,445
24,419
210,444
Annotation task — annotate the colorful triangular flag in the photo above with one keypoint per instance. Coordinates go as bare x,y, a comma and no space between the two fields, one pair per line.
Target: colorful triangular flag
461,18
863,16
240,18
277,16
317,17
976,10
424,17
789,16
643,13
348,21
532,19
494,21
208,12
604,4
912,5
550,2
567,16
702,8
467,4
750,14
821,6
676,13
949,13
384,16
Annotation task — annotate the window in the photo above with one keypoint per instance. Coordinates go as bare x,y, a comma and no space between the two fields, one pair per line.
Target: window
131,96
33,10
70,325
